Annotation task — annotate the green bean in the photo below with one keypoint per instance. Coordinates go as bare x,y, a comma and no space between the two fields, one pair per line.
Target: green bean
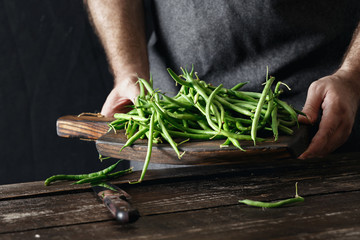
189,131
229,105
196,98
275,123
272,204
245,104
165,132
135,137
200,108
117,174
234,107
149,149
210,104
138,103
104,177
132,130
130,117
234,141
238,86
240,127
254,95
239,136
184,116
197,136
177,79
280,203
127,127
288,108
277,90
226,143
80,176
151,82
104,185
142,89
185,123
270,107
192,124
300,112
256,118
178,102
184,96
221,118
173,122
290,123
118,121
286,130
203,125
241,120
105,171
147,85
237,94
62,177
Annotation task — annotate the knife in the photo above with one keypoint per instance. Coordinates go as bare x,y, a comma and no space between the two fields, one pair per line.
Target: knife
117,201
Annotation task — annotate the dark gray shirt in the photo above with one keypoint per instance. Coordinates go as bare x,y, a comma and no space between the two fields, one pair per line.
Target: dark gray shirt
234,41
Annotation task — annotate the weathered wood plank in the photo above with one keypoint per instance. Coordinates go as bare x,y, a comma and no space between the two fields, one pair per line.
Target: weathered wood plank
320,217
191,193
289,169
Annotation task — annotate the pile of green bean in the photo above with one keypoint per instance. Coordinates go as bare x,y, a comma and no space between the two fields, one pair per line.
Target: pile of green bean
202,111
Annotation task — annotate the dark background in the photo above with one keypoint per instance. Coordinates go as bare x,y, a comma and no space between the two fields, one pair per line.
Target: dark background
51,65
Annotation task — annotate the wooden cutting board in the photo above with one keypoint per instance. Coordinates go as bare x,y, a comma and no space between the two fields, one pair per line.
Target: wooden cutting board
108,143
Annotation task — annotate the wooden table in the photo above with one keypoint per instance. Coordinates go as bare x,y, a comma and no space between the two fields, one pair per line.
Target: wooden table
198,203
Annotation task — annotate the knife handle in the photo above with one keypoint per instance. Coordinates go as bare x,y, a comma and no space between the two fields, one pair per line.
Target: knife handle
121,209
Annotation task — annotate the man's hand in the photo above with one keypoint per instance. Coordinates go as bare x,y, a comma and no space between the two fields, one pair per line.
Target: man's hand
338,96
120,27
122,95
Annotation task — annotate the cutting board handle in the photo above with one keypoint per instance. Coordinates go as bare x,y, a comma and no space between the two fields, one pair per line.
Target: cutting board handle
84,127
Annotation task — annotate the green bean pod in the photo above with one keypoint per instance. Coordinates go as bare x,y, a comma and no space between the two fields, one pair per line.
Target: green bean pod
272,204
80,176
104,177
256,118
280,203
149,150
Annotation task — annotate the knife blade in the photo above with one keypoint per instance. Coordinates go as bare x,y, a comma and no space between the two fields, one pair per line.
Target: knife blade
117,203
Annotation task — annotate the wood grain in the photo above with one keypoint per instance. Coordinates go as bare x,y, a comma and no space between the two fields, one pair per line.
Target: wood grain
109,143
200,202
203,152
83,127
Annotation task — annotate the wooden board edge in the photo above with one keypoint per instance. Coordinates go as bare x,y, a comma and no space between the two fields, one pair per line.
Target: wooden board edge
82,127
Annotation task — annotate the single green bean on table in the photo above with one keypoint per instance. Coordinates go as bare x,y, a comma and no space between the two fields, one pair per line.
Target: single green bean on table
280,203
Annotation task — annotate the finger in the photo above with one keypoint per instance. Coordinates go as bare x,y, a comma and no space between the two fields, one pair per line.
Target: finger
116,106
321,143
333,132
312,104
